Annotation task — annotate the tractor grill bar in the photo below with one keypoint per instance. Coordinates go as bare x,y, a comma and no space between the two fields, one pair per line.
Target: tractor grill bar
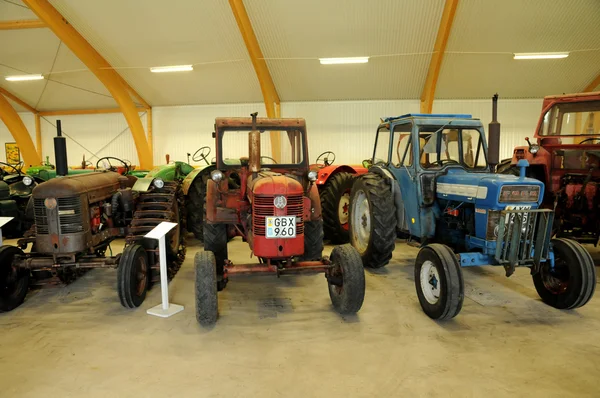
262,207
523,234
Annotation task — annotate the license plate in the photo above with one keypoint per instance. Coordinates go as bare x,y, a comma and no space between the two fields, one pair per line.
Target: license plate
281,227
524,207
510,217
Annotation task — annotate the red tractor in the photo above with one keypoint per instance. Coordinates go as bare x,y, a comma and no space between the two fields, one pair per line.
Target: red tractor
275,208
335,183
566,157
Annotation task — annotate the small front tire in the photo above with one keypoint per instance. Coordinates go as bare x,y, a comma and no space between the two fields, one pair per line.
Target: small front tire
439,282
346,280
207,307
572,282
133,276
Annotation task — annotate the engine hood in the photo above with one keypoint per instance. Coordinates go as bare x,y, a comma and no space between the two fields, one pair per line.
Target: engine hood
269,183
482,188
79,184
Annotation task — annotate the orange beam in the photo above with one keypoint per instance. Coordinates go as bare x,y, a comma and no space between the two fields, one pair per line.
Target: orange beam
38,135
595,83
84,111
17,128
149,128
19,101
22,24
99,67
265,80
437,57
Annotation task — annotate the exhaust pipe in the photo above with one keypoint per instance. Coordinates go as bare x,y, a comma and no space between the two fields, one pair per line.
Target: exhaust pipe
254,146
60,151
494,136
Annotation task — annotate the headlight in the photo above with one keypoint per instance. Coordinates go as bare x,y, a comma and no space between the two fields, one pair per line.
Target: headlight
312,175
27,180
158,183
519,193
534,149
216,175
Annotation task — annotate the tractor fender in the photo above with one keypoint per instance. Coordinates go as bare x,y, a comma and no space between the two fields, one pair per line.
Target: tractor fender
315,203
328,171
189,179
396,193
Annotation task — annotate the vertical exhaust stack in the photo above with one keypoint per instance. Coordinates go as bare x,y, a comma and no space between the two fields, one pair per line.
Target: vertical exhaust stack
60,151
254,146
494,136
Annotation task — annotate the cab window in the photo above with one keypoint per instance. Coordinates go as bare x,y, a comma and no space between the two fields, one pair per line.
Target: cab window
401,149
382,145
451,146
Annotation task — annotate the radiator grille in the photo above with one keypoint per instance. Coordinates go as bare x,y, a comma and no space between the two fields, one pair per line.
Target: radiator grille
41,219
262,207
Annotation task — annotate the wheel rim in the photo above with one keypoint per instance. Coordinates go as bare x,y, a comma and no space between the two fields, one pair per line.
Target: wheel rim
336,271
141,275
361,221
431,285
343,209
556,280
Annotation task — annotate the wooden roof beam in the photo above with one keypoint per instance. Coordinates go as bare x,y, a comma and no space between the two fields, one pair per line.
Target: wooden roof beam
17,129
22,24
595,83
437,57
16,99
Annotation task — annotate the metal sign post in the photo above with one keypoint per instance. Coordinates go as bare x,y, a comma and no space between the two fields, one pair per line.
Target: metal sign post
165,309
3,221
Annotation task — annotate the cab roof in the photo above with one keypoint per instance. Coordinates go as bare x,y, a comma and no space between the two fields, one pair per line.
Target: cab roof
428,116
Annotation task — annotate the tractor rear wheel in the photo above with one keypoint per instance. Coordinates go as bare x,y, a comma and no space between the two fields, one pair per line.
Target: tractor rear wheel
14,281
215,241
372,220
133,276
346,280
335,205
439,282
313,240
195,206
572,281
207,304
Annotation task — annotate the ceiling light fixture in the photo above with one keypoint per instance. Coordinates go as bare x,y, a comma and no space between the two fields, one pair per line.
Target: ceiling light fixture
21,78
175,68
540,55
348,60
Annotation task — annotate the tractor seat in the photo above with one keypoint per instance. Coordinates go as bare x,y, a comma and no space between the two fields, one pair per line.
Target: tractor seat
551,141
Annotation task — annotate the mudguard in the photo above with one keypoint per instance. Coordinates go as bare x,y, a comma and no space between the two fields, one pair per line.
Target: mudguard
190,177
328,171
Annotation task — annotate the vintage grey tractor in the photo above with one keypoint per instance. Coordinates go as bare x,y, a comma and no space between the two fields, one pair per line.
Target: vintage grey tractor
432,183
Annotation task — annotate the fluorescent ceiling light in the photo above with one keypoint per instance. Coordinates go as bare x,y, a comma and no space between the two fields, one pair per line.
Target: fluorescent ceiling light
348,60
21,78
175,68
540,55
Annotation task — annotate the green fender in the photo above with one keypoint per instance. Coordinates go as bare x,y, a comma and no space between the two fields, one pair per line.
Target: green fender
190,177
171,171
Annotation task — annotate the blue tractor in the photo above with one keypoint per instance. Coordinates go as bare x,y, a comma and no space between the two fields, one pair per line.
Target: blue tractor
432,182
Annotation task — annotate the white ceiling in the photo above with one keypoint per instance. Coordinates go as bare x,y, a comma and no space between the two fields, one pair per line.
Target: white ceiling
398,35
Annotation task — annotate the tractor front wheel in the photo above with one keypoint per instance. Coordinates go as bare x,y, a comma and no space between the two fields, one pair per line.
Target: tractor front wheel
133,276
346,280
372,220
572,281
335,206
14,281
207,304
439,282
215,241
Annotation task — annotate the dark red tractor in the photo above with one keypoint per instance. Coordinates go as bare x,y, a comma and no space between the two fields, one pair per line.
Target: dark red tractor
334,182
276,208
566,157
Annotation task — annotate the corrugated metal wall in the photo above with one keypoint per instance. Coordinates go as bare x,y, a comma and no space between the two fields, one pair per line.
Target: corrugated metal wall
5,136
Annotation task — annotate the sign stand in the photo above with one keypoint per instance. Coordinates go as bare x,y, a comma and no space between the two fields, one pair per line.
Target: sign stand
4,221
165,309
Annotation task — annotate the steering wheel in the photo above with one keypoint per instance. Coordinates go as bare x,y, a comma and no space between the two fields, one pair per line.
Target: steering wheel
4,172
325,157
110,165
201,154
268,157
590,139
441,161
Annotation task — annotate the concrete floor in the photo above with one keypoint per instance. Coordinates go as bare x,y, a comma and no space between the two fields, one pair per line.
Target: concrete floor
282,338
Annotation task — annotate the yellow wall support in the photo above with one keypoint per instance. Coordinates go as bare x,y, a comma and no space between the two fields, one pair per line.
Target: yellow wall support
38,135
17,128
84,112
22,24
19,101
595,83
267,86
438,55
101,68
149,128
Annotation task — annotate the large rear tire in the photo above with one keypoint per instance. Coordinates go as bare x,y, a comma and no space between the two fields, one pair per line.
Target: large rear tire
346,280
14,282
335,206
439,282
133,276
572,282
195,206
372,220
207,303
313,240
